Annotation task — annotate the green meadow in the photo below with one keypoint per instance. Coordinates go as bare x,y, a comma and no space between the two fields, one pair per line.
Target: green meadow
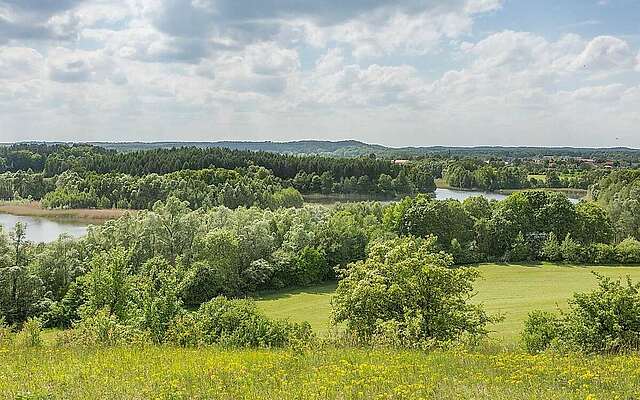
497,370
509,290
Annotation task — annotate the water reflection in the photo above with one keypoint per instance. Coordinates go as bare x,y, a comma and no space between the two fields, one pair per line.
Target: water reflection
42,229
440,194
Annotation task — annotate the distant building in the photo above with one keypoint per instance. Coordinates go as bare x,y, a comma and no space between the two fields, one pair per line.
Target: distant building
401,162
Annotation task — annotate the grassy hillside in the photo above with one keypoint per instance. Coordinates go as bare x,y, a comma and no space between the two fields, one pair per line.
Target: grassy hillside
171,373
510,290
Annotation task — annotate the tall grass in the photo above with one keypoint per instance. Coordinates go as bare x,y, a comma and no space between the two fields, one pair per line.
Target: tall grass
212,373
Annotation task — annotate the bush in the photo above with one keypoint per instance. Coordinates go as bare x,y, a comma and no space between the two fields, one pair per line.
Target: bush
628,251
602,253
235,323
30,334
520,249
571,250
404,286
540,329
551,248
605,320
6,335
102,329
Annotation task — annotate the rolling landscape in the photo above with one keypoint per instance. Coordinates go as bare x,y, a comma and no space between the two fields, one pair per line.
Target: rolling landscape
347,200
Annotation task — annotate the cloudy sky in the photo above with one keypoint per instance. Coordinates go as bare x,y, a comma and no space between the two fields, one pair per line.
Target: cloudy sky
395,72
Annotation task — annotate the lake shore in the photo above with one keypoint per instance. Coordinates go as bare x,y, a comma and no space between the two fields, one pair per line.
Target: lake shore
570,192
35,209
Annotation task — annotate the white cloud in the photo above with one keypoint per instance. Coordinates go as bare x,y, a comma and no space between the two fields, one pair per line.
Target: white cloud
20,63
408,71
605,54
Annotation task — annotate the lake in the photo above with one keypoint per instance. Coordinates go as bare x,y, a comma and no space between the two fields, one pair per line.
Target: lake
42,229
440,194
47,230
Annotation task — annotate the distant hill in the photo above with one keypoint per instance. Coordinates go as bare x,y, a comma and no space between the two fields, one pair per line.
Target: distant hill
354,148
345,148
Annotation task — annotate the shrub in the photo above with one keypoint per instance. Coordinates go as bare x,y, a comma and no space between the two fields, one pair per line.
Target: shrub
102,329
404,285
551,248
235,323
185,331
628,251
540,328
6,335
605,320
571,250
30,334
602,253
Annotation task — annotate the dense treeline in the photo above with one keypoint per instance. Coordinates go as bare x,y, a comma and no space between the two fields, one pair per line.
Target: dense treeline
353,148
619,194
92,166
53,160
207,188
233,253
473,173
526,226
216,252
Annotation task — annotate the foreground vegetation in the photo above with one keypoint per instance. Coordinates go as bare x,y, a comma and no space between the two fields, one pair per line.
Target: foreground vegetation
171,373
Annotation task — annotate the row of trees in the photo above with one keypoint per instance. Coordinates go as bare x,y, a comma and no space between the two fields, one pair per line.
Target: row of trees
619,194
496,175
518,228
215,252
204,188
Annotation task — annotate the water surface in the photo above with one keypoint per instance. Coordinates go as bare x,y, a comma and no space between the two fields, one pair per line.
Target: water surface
440,194
42,229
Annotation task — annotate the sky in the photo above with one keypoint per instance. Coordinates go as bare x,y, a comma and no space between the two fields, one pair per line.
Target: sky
393,72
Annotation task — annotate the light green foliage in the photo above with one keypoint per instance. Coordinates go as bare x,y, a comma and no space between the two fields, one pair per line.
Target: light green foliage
404,282
57,266
606,319
102,329
109,284
447,220
6,335
551,248
235,323
628,251
216,268
520,250
571,250
593,224
287,197
20,289
30,335
478,207
540,329
158,298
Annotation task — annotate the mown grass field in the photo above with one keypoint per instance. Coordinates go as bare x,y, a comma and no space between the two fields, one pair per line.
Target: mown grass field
510,290
170,373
